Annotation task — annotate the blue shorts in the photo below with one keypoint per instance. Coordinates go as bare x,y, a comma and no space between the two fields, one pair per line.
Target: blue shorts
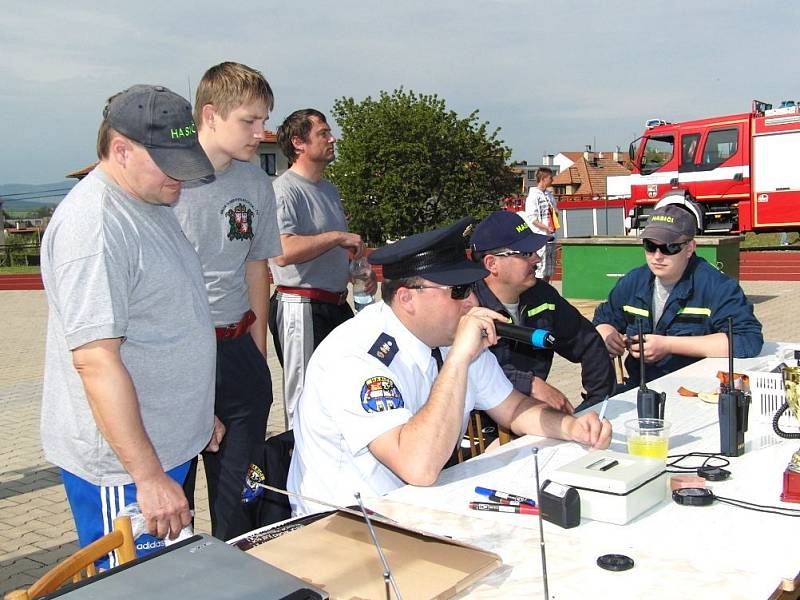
94,508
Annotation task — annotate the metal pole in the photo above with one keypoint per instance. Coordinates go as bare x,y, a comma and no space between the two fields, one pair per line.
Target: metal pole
541,526
388,578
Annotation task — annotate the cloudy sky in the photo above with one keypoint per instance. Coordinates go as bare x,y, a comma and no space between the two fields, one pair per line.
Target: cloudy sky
553,75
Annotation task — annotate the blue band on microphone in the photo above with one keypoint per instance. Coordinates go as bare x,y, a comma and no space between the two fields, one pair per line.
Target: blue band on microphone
539,338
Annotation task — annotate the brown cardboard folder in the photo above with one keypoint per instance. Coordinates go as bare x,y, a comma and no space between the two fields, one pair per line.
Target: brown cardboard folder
336,554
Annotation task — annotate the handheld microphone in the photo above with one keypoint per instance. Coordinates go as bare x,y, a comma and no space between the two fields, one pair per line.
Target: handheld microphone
538,338
649,403
733,408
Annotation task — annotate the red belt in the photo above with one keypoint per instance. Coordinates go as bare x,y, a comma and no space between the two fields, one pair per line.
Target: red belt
231,332
315,294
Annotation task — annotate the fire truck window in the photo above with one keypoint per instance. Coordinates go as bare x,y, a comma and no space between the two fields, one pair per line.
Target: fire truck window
657,152
720,146
688,148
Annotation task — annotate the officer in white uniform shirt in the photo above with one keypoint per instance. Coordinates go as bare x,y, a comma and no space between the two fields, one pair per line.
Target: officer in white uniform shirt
388,393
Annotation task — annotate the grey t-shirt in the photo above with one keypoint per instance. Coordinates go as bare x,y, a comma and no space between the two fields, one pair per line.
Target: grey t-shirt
513,311
230,221
661,293
308,208
114,266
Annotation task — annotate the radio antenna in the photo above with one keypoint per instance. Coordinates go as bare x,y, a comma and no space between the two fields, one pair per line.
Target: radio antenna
642,382
388,578
730,353
649,403
541,526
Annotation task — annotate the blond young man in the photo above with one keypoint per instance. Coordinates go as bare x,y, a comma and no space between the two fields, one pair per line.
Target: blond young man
231,223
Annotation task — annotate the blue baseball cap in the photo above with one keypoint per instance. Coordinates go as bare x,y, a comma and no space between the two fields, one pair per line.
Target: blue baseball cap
505,229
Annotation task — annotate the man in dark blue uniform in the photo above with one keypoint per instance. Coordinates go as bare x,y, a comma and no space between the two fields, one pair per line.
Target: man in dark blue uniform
683,304
506,246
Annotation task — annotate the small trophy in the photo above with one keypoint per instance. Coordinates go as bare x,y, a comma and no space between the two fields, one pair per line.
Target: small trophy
791,476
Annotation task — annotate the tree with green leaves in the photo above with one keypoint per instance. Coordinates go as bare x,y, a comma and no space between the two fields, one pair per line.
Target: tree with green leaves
405,164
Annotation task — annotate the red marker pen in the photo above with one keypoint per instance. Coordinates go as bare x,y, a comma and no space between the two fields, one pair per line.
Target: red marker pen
523,509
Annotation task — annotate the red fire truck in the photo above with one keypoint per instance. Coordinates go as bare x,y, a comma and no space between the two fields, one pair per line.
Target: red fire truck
735,173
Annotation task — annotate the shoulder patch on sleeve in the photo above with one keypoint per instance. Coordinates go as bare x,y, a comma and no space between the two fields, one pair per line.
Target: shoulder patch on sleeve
379,394
384,348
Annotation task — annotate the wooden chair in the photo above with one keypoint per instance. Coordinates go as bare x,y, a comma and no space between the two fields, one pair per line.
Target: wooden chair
119,540
477,442
619,372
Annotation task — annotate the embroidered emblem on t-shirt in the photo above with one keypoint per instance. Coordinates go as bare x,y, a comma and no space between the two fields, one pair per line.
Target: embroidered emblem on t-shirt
251,490
240,219
384,348
380,394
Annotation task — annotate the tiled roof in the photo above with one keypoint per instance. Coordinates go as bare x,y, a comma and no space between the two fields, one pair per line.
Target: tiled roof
81,173
270,137
590,179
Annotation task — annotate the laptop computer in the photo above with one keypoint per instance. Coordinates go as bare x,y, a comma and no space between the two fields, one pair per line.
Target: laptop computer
199,567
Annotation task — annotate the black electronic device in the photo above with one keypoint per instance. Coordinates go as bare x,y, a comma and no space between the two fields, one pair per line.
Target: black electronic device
615,562
733,409
713,473
560,504
649,403
538,338
693,496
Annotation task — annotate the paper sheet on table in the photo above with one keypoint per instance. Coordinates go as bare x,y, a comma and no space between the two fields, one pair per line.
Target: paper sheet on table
510,471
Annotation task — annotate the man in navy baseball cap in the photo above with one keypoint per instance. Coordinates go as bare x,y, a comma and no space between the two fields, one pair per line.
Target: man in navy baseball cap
504,229
507,248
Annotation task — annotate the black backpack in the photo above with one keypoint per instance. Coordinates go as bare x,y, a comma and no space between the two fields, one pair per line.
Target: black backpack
270,507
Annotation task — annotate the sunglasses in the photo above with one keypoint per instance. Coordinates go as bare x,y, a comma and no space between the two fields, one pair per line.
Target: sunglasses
457,292
514,253
666,249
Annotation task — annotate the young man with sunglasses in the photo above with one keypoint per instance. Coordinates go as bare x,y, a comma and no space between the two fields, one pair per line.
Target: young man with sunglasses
683,304
388,393
507,248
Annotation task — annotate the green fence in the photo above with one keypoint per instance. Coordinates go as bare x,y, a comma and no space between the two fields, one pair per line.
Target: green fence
19,255
592,266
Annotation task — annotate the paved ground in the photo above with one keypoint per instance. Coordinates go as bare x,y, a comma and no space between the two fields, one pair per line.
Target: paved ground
36,529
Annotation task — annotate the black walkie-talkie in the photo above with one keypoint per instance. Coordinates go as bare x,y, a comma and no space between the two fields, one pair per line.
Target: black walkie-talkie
733,407
649,403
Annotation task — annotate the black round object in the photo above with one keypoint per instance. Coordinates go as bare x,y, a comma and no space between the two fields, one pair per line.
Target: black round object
615,562
693,496
713,473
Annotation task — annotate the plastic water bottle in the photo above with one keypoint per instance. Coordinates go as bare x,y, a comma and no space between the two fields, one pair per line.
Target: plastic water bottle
362,275
139,528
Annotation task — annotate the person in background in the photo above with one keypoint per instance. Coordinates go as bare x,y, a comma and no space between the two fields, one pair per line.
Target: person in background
540,214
